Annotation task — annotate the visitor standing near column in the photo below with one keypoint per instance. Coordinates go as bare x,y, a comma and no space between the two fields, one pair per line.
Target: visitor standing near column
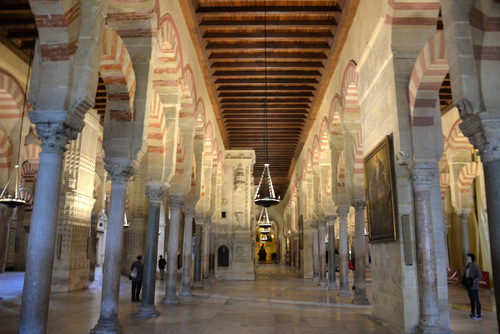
137,270
473,272
161,264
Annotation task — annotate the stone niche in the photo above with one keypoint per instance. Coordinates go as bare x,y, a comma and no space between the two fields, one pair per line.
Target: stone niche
235,230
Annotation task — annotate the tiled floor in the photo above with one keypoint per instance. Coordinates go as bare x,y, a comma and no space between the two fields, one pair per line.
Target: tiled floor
277,302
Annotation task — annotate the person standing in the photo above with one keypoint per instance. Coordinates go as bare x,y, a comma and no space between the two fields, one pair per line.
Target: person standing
161,265
473,272
137,280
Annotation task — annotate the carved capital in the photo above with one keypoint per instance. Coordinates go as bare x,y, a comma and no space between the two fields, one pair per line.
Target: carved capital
483,131
120,170
331,220
188,210
422,174
359,205
175,202
207,221
465,108
343,212
55,136
155,191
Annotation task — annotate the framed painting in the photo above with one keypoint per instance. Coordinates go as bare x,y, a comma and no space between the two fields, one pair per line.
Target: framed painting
379,188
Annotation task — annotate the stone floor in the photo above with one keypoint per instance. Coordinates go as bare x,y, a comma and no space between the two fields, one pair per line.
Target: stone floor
277,302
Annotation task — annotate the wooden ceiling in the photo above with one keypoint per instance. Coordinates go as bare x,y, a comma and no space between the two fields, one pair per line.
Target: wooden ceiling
258,57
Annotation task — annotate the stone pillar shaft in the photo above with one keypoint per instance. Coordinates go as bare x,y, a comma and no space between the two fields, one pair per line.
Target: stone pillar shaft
211,269
197,284
155,193
187,251
360,297
41,245
422,175
315,251
332,265
175,203
206,247
344,281
464,228
322,253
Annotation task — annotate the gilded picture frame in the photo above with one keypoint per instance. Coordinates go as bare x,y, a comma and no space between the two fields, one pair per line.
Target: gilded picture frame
379,188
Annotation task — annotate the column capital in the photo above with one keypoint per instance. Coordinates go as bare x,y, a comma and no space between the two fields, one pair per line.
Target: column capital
343,211
359,205
119,170
155,191
188,210
199,217
55,136
483,131
422,174
331,219
462,213
207,221
175,201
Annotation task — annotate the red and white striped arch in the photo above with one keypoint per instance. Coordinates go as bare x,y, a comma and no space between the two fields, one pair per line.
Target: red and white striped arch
193,171
58,23
357,154
324,136
466,176
189,98
27,195
32,155
11,98
208,139
215,153
315,151
334,117
444,179
180,154
341,171
349,97
27,172
5,152
427,76
456,139
97,186
169,63
200,117
157,130
118,76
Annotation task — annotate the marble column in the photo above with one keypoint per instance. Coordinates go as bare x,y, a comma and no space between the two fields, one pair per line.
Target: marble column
206,247
360,297
483,131
155,191
322,252
315,251
197,284
4,239
422,174
175,204
464,228
187,250
118,172
41,245
332,265
211,269
344,281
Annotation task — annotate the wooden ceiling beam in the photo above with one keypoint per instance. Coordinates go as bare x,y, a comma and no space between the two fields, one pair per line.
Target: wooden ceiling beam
268,65
260,55
269,73
303,23
269,45
269,10
260,81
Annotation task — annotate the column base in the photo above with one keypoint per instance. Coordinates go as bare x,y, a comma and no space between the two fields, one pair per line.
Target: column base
360,300
344,293
107,327
212,279
147,311
333,286
185,292
323,282
170,299
432,330
316,279
198,285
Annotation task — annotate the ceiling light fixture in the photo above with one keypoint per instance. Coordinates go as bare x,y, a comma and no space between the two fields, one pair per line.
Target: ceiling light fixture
265,196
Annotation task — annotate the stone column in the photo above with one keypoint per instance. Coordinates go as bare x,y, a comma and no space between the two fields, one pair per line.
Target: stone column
344,281
155,191
175,204
41,245
197,284
332,265
322,252
118,172
483,131
464,226
422,175
360,297
315,251
187,250
211,269
206,246
4,239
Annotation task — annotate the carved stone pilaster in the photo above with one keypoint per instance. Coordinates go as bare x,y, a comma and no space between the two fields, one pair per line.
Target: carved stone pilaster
483,131
55,136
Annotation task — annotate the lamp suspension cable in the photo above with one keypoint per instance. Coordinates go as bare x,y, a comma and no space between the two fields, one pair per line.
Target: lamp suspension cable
17,199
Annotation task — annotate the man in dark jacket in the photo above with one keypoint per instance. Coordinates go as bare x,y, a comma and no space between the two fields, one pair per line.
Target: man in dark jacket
472,271
161,265
137,280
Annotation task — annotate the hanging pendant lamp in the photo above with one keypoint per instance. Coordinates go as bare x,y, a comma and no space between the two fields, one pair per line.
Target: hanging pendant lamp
265,196
12,194
264,219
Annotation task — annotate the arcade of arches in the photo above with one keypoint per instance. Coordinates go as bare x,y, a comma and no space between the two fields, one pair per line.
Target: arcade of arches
156,156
